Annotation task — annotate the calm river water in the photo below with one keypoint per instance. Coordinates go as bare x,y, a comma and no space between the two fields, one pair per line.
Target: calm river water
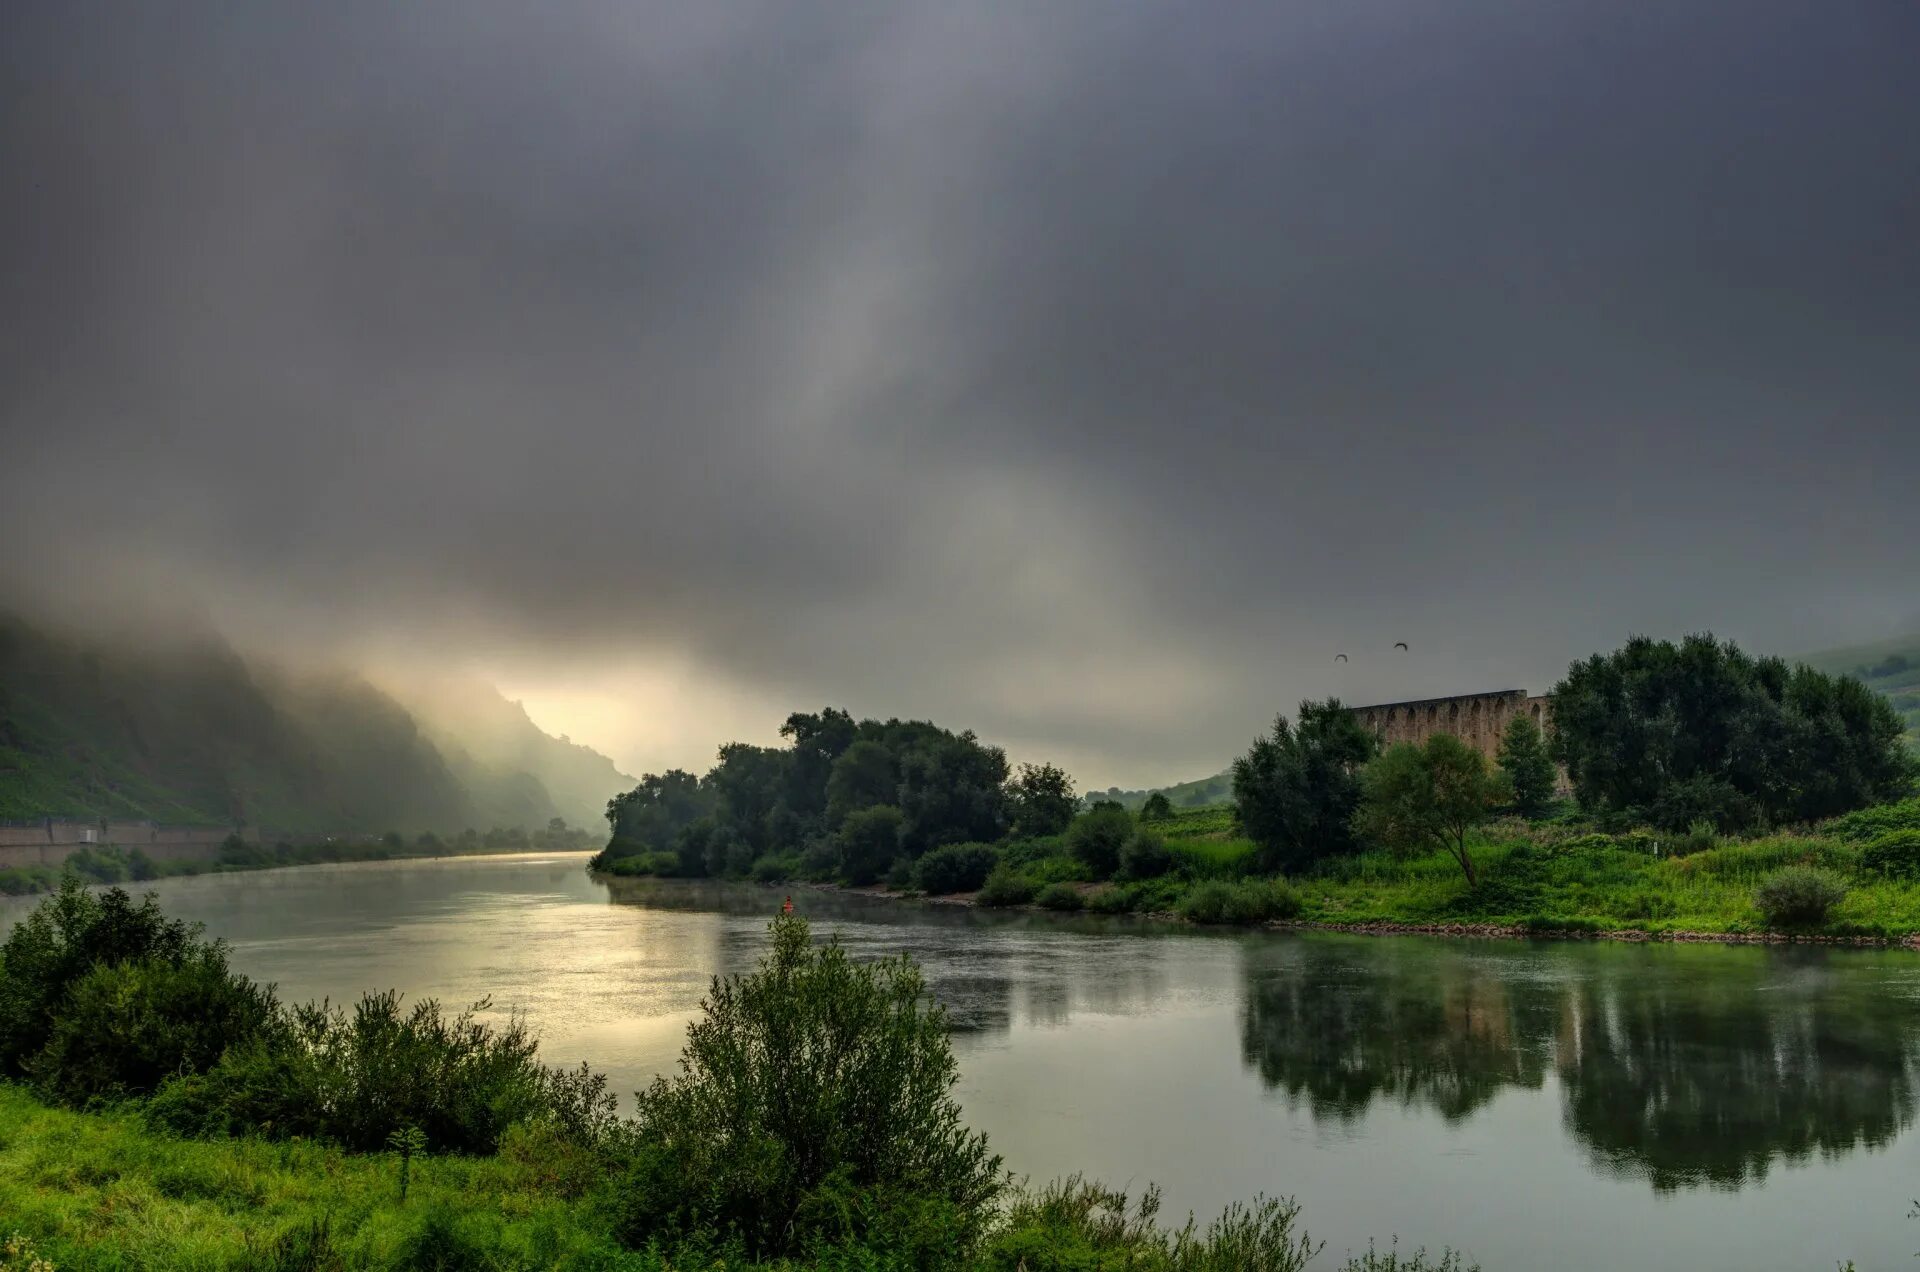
1537,1105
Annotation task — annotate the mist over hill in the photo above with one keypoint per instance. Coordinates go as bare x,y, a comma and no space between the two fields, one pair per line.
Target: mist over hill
186,729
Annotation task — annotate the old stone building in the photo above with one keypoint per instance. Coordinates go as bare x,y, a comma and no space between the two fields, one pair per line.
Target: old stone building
1478,719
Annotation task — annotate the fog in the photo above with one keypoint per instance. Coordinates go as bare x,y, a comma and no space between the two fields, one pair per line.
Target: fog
1089,376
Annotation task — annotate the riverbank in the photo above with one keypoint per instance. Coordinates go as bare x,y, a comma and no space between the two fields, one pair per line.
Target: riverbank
1557,879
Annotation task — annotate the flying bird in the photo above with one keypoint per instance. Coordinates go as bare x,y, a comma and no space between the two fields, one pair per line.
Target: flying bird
1339,658
1400,645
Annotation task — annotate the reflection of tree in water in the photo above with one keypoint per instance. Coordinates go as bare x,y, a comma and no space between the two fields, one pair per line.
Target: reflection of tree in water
1685,1065
1338,1027
1710,1069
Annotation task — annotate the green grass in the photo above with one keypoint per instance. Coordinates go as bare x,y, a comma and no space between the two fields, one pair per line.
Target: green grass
100,1191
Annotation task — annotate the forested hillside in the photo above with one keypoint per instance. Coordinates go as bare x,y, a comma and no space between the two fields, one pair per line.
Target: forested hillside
1891,668
187,730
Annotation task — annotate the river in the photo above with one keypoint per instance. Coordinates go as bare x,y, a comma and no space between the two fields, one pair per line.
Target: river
1552,1104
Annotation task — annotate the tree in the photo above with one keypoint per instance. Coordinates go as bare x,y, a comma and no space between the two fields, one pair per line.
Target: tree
1096,839
818,740
1675,733
1157,808
1418,798
865,774
869,841
748,783
1297,789
952,791
1043,800
814,1103
652,816
1528,766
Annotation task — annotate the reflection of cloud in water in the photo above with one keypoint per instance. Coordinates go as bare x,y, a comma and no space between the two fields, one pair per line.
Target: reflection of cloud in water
1684,1066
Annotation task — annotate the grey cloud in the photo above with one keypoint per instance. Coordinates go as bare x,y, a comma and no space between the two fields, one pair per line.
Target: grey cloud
1086,374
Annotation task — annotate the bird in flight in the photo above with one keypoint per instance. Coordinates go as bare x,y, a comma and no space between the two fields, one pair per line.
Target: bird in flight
1339,658
1400,645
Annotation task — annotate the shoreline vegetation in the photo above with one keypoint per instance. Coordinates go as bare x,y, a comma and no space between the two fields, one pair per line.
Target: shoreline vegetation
111,864
1715,796
158,1110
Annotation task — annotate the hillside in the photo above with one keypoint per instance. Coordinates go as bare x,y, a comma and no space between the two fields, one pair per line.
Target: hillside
189,731
1890,667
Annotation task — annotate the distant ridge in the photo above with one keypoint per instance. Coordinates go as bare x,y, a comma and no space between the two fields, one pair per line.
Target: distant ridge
189,731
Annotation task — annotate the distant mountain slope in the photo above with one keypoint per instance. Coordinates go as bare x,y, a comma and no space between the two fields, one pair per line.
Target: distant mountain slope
189,731
1217,789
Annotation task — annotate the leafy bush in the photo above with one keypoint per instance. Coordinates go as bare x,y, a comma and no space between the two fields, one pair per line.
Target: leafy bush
1060,896
1253,901
1391,1260
124,1028
1157,808
1076,1224
62,940
776,867
1895,855
1110,900
869,841
1096,838
662,864
1700,837
1798,897
900,874
1006,886
1869,823
354,1079
1145,856
955,868
813,1103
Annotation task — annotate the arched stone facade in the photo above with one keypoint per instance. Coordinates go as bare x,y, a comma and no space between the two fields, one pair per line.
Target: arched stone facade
1478,719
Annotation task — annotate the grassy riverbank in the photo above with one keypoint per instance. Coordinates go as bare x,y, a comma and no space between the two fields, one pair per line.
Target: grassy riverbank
1548,876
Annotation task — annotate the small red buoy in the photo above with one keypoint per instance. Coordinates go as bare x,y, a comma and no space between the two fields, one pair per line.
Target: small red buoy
788,907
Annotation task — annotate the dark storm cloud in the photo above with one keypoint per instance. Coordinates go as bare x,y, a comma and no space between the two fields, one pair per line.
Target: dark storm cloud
1087,373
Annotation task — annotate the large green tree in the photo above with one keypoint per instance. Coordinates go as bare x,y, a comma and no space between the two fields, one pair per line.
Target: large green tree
1675,733
1296,789
1043,800
1528,766
1418,798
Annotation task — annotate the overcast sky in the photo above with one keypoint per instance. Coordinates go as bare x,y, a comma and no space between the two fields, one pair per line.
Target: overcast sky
1087,374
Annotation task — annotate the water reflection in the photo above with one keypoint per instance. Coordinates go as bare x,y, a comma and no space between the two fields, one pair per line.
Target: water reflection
1680,1066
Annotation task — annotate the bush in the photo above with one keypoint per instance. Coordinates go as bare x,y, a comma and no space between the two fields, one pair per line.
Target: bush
1254,901
62,940
1074,1224
814,1104
1157,808
955,868
1060,896
900,874
869,841
1145,856
776,867
1895,855
1006,886
1868,823
665,865
124,1028
1798,896
355,1079
1700,837
1095,839
1110,900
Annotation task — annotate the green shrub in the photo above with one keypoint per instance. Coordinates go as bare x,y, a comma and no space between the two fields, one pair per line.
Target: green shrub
869,841
124,1028
775,867
1074,1225
1110,900
1251,901
955,868
1145,856
62,940
1701,836
1060,896
1006,886
1096,838
1798,896
814,1103
1896,855
664,865
1391,1260
899,875
355,1079
1869,823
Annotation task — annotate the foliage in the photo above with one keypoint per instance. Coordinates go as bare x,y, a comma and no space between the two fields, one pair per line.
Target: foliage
1391,1260
1670,733
1298,788
1894,855
1060,896
1424,797
1868,823
1006,886
955,868
1075,1225
1144,856
1096,838
352,1079
1157,807
1042,799
124,1028
869,841
814,1093
1251,901
1528,766
1798,897
864,775
61,941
